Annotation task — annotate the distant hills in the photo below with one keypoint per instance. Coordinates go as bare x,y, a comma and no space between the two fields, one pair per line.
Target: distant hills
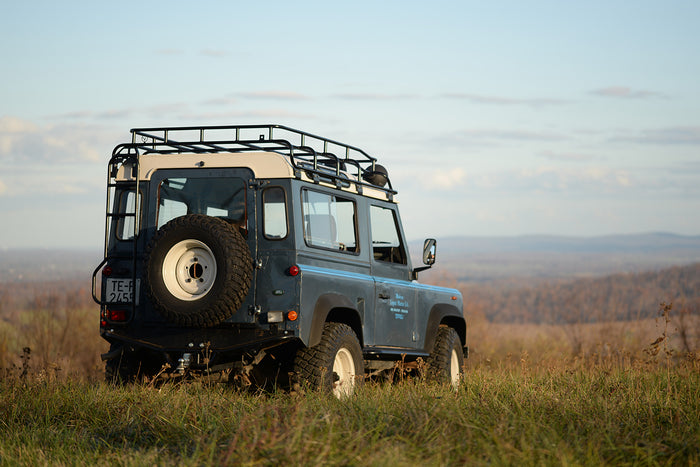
467,259
545,279
31,265
615,297
478,259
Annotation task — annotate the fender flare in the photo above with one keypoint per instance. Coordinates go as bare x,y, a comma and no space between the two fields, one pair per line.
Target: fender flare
337,308
450,315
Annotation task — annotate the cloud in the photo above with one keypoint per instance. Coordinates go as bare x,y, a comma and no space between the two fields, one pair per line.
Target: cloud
623,92
446,179
497,100
220,101
489,136
24,142
373,96
3,188
566,156
559,181
680,135
274,95
592,178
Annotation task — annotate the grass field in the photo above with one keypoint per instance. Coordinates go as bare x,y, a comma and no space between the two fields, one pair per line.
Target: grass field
616,393
508,415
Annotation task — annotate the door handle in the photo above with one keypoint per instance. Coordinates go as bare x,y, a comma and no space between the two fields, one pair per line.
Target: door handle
383,296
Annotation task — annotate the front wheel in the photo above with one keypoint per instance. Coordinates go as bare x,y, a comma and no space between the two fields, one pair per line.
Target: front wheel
447,358
335,364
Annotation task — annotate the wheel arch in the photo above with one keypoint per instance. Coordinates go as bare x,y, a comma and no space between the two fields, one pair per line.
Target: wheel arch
448,315
337,308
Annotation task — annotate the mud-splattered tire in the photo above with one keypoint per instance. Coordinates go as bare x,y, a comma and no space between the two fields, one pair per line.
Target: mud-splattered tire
198,270
447,358
335,364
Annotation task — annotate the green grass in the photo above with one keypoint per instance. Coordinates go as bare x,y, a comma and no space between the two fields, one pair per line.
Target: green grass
635,416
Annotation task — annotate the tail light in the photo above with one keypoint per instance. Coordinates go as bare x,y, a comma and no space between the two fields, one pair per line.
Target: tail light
293,270
117,316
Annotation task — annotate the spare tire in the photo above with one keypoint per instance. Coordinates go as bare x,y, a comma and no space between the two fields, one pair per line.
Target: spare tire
198,270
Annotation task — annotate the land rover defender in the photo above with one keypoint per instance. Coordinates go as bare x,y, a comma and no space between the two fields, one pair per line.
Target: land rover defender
261,251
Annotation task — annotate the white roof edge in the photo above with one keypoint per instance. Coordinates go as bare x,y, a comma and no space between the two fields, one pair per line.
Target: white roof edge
263,164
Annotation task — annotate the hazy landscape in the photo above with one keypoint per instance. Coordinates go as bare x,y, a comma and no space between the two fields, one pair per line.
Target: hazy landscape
563,333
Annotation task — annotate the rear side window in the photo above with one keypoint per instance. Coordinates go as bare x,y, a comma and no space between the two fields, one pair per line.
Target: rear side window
127,208
329,222
274,213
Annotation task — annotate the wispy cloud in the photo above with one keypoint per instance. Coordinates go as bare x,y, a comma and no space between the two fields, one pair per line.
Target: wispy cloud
214,53
273,95
624,92
220,101
680,135
488,136
25,142
245,115
567,156
500,100
373,96
591,180
447,179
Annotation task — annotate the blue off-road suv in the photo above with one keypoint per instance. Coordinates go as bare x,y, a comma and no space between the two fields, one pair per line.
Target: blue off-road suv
264,253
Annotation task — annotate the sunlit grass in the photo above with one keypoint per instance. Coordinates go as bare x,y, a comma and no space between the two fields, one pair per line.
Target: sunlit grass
504,416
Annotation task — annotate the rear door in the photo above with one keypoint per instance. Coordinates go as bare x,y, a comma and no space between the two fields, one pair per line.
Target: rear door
217,192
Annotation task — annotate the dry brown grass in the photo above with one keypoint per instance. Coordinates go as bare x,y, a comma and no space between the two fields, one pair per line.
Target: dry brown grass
52,333
58,323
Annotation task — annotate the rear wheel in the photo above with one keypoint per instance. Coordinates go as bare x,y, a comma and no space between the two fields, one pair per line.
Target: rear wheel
335,364
446,360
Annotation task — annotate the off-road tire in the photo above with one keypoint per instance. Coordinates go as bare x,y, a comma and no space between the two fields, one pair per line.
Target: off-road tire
318,366
225,270
447,358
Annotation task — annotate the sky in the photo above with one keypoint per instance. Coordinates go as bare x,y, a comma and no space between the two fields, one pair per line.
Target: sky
499,118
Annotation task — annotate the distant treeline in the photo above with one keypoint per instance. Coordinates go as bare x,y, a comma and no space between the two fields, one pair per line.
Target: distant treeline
618,297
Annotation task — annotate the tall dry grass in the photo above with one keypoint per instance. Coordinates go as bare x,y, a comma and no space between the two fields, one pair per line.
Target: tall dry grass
52,332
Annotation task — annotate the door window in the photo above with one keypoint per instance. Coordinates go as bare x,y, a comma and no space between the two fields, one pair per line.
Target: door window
386,239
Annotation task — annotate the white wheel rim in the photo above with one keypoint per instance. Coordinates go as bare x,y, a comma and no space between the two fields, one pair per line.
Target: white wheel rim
189,270
344,368
454,369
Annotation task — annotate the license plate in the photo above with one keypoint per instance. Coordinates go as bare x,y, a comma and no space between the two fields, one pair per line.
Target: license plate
121,291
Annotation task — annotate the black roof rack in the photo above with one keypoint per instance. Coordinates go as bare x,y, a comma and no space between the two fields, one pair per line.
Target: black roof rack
320,156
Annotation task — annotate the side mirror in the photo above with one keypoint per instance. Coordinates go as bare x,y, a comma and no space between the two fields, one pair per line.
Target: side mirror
429,249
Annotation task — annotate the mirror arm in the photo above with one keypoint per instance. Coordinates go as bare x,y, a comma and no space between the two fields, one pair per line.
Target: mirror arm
414,272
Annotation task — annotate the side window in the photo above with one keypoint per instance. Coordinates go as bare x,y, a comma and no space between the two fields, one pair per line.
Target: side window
329,221
274,213
386,240
127,205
